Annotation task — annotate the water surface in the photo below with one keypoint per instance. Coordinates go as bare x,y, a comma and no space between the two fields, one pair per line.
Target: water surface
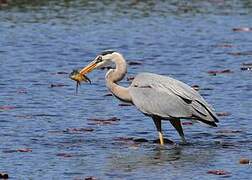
41,39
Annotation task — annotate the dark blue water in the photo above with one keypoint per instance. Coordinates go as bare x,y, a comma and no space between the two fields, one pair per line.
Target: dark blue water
41,114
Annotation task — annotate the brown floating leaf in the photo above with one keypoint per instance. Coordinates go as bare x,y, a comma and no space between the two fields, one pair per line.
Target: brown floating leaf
131,78
4,175
24,150
124,104
18,150
187,123
134,63
215,72
58,85
110,119
78,130
223,113
244,161
7,108
103,121
225,45
246,67
218,172
65,155
242,29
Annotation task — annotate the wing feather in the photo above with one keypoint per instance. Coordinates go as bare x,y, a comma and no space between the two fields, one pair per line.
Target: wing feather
154,101
168,97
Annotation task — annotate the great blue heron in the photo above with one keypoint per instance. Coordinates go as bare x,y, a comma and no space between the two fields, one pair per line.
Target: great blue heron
160,97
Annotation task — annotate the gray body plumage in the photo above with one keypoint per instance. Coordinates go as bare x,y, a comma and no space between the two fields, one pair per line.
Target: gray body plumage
159,97
169,98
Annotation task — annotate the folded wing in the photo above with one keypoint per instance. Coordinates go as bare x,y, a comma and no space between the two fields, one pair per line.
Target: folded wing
169,98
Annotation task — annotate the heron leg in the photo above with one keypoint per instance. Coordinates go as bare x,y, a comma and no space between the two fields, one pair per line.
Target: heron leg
177,125
157,122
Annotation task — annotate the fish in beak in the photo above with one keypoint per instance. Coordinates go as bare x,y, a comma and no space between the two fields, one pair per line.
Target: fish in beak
78,77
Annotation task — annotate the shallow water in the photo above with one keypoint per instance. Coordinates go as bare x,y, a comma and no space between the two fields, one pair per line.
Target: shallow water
39,108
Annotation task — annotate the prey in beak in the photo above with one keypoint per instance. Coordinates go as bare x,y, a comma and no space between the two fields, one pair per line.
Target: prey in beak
78,77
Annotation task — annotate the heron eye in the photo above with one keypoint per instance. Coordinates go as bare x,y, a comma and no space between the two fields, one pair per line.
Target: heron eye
99,59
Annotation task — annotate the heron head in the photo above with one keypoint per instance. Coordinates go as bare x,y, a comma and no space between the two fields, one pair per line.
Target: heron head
100,61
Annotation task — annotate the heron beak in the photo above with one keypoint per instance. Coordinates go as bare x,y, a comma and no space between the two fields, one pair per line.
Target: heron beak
88,68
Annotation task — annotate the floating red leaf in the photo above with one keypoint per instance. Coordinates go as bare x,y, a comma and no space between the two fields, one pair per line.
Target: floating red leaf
109,121
78,130
223,113
215,72
244,161
218,172
24,150
7,107
65,155
225,45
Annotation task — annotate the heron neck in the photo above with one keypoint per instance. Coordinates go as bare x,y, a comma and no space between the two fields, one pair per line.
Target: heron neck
115,75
